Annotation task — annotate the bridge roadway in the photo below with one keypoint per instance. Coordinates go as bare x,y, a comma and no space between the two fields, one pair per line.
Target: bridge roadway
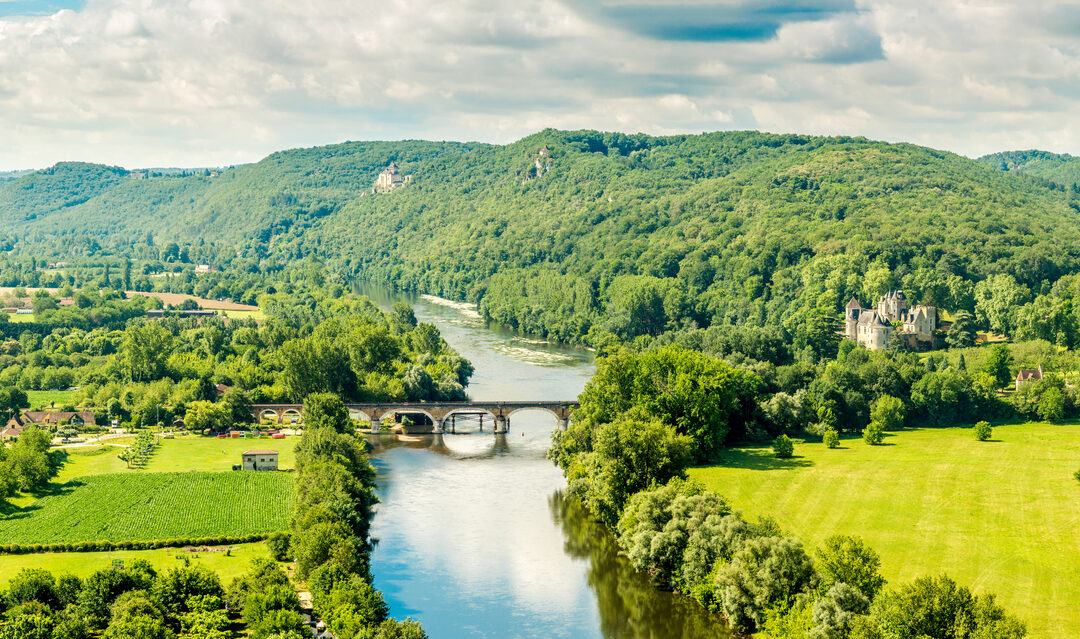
376,412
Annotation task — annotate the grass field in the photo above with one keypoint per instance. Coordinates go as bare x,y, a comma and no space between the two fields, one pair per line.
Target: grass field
257,315
81,564
212,454
47,398
1001,516
144,506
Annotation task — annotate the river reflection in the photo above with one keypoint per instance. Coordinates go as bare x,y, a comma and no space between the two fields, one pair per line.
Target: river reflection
474,536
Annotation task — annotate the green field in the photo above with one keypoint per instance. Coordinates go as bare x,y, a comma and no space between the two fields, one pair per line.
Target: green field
16,318
81,564
1001,516
258,315
45,399
212,454
144,506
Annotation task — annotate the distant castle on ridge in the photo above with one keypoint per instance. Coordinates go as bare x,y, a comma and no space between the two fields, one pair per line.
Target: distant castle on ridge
390,179
872,328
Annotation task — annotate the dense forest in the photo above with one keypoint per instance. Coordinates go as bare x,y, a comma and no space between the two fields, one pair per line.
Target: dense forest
1062,170
563,233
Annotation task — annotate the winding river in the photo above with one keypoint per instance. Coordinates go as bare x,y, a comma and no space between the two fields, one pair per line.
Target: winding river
475,537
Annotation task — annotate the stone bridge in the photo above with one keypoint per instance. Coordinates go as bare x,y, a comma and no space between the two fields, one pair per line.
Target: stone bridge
438,412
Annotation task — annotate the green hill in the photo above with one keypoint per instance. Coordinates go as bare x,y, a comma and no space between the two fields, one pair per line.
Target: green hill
1061,169
629,233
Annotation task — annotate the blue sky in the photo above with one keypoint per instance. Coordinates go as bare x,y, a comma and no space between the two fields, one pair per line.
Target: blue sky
213,82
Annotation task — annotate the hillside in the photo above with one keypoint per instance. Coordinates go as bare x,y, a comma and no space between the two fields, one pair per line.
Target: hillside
1061,169
632,234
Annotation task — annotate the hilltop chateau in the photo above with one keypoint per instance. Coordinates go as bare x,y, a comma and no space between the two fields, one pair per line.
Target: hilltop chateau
390,179
872,328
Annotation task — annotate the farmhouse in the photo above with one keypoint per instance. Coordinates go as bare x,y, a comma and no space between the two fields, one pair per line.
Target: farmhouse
46,418
1028,375
260,460
11,433
872,328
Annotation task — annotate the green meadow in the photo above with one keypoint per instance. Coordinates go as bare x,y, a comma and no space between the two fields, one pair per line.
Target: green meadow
1001,516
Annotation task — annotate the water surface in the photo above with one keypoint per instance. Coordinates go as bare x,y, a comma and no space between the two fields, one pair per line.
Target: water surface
475,536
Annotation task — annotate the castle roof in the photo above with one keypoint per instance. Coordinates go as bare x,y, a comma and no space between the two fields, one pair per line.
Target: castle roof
873,318
854,303
897,294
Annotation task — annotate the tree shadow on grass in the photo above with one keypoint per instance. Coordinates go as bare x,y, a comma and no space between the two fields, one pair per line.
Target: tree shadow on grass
10,511
760,458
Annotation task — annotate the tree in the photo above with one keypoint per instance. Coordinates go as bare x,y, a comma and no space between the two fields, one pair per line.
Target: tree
1051,405
766,571
831,438
237,404
846,559
402,317
961,363
326,410
278,543
997,300
32,584
889,412
145,351
204,415
963,332
999,365
175,588
982,430
28,460
937,607
874,434
629,454
783,447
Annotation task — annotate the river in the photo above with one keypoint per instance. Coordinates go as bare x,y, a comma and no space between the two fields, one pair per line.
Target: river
475,537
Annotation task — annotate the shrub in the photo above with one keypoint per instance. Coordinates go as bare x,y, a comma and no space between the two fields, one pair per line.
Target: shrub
831,438
983,431
783,447
1077,475
873,434
279,546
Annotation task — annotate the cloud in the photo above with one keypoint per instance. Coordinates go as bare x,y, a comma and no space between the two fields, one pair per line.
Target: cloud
209,82
710,21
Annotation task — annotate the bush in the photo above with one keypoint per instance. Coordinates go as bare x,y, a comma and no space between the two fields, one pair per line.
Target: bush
279,546
783,447
831,438
873,434
983,431
1077,475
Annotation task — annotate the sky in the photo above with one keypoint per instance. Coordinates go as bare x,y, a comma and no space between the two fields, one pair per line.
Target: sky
159,83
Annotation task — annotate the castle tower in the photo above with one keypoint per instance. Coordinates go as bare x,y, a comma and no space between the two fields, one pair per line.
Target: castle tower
851,319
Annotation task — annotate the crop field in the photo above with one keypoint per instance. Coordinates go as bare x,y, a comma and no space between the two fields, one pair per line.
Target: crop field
999,516
138,506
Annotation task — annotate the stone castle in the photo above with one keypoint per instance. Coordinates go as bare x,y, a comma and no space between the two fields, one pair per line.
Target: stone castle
872,328
390,179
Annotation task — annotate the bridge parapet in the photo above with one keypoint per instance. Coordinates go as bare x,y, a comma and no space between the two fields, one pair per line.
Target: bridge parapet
437,411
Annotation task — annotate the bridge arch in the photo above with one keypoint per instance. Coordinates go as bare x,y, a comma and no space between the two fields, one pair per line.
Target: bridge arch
291,416
268,413
562,419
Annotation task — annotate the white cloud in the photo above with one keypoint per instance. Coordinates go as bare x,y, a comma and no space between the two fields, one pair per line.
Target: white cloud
206,82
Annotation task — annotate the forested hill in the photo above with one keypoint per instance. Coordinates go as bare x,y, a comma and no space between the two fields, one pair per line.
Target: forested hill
1061,169
629,234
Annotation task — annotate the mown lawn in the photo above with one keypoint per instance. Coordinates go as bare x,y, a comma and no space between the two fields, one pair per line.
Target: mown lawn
1001,516
212,454
82,564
